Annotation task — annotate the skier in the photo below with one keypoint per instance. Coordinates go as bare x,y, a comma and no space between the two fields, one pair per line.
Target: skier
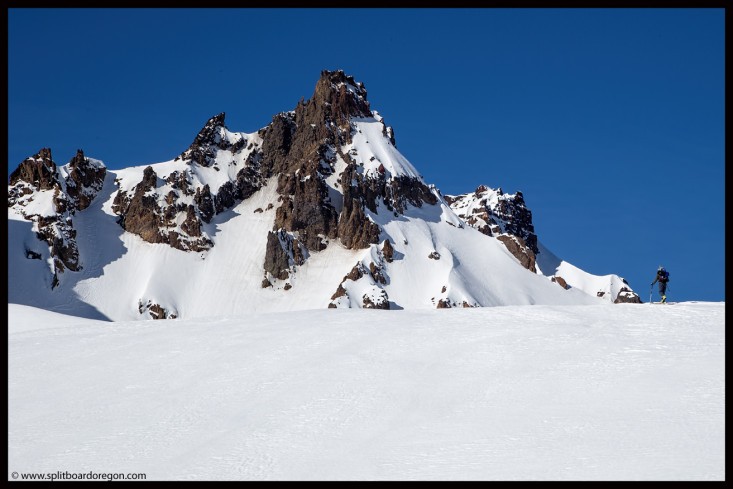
662,277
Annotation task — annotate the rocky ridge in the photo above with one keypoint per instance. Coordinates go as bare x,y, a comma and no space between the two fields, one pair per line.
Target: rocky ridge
507,218
50,196
173,208
504,216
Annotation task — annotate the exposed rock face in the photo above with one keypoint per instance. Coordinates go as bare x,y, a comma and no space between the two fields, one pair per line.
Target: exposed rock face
301,147
387,251
520,250
492,212
298,146
364,285
497,214
560,281
154,311
85,180
203,149
396,193
173,209
38,171
340,292
305,210
378,273
627,295
155,221
140,214
277,260
448,304
379,301
283,252
70,188
301,138
355,230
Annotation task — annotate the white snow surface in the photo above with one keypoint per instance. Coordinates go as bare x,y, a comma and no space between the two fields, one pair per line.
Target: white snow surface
550,265
598,392
370,148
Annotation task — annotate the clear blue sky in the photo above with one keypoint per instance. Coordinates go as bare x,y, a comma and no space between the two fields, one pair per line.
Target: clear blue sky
610,121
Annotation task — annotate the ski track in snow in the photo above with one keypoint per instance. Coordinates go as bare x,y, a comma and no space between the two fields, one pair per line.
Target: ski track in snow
600,392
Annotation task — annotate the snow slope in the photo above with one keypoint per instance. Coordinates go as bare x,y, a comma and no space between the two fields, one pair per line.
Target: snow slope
550,265
600,392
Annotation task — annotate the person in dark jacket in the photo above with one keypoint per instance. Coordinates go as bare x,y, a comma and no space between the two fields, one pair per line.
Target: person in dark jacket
662,277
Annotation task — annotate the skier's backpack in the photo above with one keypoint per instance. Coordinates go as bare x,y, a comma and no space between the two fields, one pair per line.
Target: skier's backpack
664,274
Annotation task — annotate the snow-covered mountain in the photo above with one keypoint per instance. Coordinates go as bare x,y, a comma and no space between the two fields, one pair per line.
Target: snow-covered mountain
317,209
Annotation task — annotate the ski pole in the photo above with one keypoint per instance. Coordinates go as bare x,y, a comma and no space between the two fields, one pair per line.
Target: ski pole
651,289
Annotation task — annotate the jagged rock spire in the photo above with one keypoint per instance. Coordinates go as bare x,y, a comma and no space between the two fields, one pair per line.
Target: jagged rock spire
341,96
39,170
203,149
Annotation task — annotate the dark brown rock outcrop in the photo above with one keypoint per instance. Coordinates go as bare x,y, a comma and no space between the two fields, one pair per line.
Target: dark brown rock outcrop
154,311
355,230
381,301
443,304
387,251
627,296
508,215
277,260
39,171
85,180
139,214
520,250
206,143
306,211
560,281
152,215
142,214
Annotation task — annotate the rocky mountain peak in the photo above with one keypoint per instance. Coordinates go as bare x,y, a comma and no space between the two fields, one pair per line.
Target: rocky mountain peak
340,96
39,171
85,180
335,178
203,149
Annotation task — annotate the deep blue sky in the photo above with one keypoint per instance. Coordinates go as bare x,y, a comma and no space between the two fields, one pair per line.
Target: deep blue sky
610,121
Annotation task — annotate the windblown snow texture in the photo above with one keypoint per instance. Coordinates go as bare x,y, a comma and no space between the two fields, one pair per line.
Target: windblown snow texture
599,392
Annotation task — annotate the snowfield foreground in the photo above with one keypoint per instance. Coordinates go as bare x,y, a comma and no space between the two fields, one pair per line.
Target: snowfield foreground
598,392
